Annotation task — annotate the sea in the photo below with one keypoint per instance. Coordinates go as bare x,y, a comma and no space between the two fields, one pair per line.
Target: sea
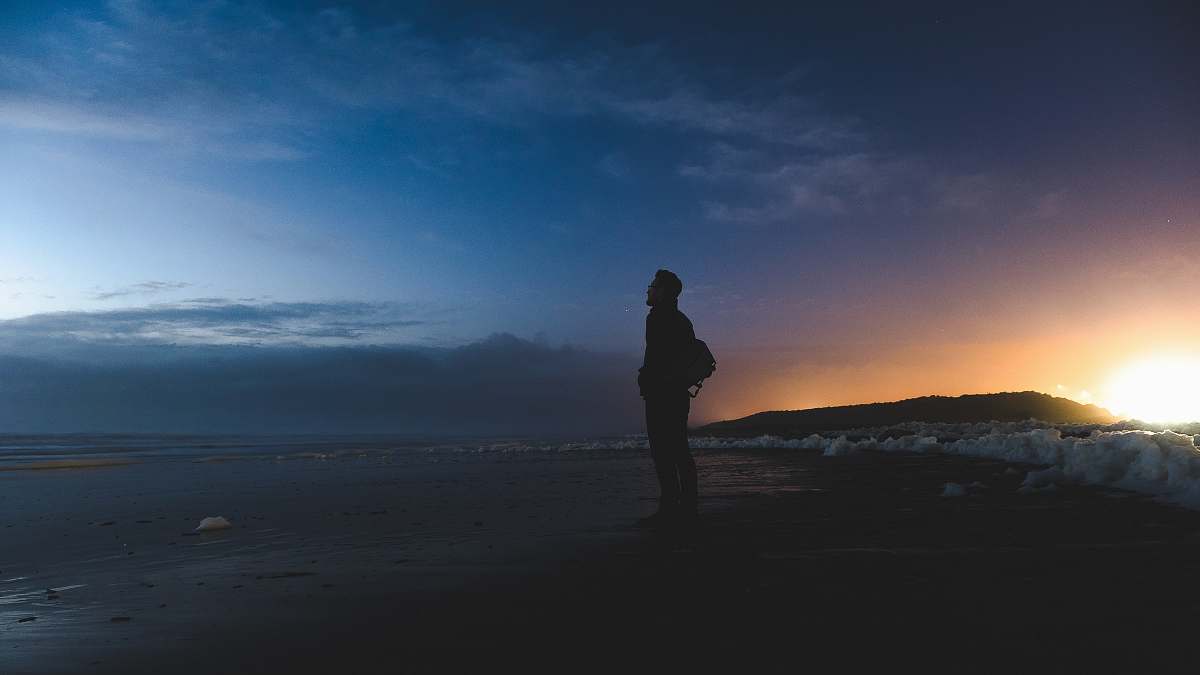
76,450
1160,460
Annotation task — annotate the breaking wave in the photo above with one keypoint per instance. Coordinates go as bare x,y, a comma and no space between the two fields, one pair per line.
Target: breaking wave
1163,463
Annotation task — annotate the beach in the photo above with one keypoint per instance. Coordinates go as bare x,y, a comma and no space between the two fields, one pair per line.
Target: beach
368,558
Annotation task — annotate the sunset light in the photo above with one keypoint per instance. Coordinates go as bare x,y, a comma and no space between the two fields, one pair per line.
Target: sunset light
1157,389
365,336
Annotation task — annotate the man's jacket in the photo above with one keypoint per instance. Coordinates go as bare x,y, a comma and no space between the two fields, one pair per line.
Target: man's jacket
669,339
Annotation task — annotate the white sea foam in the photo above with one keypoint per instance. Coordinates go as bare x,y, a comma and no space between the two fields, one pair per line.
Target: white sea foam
1163,463
842,446
307,455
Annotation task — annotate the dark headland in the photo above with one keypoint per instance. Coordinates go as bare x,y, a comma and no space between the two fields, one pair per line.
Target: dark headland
1000,407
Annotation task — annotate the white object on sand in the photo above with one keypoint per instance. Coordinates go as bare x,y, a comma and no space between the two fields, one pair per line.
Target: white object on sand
213,523
954,490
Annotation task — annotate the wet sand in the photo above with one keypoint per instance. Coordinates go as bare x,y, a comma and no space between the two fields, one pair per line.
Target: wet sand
798,561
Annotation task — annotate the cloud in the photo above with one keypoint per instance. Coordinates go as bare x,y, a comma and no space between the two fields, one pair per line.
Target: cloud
244,81
501,385
614,165
143,288
779,185
785,119
31,114
784,185
964,193
212,321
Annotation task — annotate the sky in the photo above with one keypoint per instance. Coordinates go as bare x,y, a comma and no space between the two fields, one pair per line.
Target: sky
865,202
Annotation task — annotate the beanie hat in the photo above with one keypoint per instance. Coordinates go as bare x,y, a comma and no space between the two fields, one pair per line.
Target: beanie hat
668,282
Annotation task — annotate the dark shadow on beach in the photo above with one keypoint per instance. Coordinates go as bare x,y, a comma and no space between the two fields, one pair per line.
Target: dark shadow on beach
797,560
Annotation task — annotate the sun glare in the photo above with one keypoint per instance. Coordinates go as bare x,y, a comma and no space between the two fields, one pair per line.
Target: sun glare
1160,389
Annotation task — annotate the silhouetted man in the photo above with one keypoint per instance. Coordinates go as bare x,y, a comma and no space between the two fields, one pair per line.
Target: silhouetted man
669,340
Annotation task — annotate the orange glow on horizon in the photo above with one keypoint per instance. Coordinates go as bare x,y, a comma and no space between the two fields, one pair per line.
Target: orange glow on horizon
1119,365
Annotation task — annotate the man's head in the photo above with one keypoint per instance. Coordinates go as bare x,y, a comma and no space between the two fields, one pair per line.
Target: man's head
665,288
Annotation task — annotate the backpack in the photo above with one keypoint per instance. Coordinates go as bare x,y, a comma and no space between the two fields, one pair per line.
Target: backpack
701,366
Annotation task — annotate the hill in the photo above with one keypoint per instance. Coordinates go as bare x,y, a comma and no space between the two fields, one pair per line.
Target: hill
1002,407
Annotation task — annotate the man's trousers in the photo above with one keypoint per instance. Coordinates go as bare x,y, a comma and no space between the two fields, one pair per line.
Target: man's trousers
666,429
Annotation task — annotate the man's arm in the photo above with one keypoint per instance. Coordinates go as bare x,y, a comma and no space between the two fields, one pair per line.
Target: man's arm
667,340
645,377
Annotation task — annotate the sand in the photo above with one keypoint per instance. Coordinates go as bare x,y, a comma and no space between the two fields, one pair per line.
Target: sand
531,562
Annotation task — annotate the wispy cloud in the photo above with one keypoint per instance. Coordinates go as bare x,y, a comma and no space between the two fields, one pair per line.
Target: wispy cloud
217,321
272,78
780,185
614,165
63,117
143,288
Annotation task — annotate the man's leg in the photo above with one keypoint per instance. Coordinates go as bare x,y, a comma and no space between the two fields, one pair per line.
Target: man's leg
661,434
685,466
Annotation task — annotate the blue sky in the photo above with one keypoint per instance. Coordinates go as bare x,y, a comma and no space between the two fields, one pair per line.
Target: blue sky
848,185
